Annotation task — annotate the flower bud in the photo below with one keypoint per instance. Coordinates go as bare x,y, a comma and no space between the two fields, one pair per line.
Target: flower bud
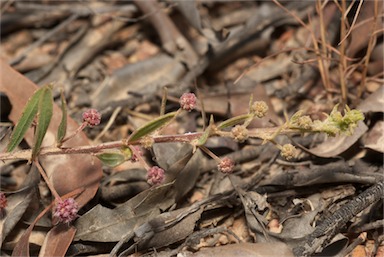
155,176
304,122
259,108
288,151
147,141
66,210
188,101
240,133
92,117
226,165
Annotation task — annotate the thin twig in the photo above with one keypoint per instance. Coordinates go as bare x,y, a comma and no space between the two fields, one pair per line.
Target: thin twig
110,123
343,61
44,175
353,22
371,43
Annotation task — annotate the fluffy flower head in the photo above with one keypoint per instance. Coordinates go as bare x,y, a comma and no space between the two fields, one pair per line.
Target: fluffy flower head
155,175
226,165
66,210
92,117
188,101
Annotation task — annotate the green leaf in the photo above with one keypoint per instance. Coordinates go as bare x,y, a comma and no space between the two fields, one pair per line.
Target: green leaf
62,130
203,139
127,152
234,121
111,159
151,126
45,111
25,121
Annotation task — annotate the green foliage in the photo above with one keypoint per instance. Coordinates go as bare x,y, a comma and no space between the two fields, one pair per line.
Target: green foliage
111,159
235,120
203,139
29,112
152,126
336,123
114,158
62,130
45,111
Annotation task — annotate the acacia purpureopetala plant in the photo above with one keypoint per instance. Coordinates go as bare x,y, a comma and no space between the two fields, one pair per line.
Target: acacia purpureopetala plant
116,152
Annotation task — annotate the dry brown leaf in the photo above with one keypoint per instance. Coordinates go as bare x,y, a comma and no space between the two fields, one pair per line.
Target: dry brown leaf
357,40
15,209
171,234
58,240
374,102
375,137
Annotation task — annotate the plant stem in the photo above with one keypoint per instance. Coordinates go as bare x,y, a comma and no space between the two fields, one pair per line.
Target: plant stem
263,133
79,129
44,175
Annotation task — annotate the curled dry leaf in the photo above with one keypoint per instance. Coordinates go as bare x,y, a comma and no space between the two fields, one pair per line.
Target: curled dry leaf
374,102
375,138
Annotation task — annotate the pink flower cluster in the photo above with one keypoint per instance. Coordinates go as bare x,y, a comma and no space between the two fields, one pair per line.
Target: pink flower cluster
155,175
92,117
66,210
188,101
226,165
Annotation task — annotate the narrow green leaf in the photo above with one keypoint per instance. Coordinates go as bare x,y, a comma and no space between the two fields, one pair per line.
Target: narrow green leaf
151,126
25,121
111,159
234,121
45,111
62,130
203,139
